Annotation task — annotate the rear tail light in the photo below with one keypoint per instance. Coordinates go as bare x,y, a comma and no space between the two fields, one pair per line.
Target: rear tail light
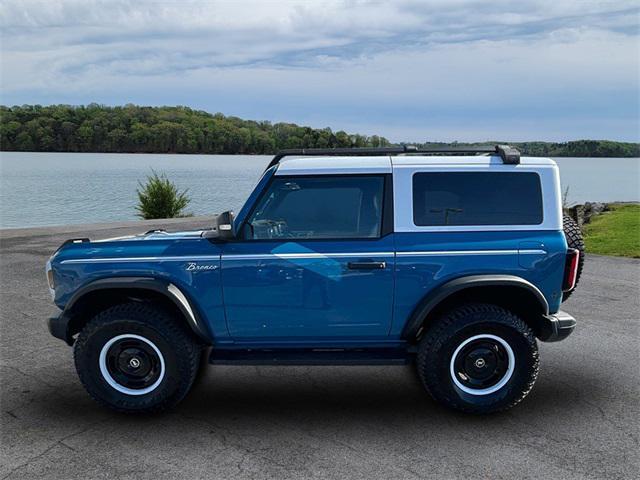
571,269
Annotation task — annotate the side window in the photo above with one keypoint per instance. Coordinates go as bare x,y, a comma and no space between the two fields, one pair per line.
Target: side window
477,198
318,207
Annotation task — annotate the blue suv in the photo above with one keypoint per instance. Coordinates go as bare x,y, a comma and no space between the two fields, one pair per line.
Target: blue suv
455,260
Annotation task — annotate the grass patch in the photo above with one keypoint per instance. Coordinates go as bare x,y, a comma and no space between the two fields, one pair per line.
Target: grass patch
616,232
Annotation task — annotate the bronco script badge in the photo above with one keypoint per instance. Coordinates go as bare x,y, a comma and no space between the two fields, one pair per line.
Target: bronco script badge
194,267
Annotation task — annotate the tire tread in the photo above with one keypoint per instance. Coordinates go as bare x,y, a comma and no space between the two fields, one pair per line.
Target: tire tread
445,327
165,325
573,234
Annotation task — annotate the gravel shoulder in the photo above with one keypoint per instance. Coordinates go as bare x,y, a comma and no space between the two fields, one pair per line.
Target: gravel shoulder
580,421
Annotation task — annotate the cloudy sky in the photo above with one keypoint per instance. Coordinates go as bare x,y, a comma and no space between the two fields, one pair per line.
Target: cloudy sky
409,70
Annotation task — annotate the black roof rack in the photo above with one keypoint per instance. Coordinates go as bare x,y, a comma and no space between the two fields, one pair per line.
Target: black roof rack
509,154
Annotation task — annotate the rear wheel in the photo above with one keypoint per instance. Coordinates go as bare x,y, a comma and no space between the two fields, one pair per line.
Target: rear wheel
135,357
478,358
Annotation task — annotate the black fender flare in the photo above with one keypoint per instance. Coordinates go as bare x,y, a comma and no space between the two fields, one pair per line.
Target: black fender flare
163,287
437,295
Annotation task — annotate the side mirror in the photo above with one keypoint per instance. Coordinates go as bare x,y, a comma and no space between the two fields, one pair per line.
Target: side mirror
225,225
223,228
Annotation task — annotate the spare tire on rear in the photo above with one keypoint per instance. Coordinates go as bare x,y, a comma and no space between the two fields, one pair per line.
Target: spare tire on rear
573,234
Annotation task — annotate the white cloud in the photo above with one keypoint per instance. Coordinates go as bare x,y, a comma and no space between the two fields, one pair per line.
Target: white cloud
407,66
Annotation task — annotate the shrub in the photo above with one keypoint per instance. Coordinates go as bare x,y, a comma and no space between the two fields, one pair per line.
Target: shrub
160,198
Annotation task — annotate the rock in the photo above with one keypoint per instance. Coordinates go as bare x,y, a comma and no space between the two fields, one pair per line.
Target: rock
583,213
577,213
592,209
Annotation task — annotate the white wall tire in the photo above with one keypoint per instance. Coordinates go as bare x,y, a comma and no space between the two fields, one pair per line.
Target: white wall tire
472,333
137,358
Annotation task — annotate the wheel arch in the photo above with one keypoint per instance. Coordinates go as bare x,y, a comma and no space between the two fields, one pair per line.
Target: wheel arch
101,294
509,291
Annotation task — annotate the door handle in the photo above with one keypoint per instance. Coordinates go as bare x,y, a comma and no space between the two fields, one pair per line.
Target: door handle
366,265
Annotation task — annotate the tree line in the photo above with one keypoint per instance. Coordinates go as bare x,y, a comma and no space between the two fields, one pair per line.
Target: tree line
136,129
576,148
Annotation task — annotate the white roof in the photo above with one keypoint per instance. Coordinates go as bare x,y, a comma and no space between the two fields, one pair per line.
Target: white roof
310,165
464,160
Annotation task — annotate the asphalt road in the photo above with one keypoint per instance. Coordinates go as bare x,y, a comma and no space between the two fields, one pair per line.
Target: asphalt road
580,421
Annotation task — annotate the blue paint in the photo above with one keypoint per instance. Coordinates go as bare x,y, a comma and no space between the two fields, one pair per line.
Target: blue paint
308,298
202,287
313,300
303,292
416,276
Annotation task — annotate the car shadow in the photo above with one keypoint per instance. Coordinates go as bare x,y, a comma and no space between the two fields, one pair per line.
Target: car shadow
263,400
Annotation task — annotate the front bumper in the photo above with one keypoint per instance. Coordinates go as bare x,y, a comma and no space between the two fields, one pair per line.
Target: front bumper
556,327
59,327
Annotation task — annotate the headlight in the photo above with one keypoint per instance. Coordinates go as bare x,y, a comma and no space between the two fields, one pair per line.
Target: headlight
50,281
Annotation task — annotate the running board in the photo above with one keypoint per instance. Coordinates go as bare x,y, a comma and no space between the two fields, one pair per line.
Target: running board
318,356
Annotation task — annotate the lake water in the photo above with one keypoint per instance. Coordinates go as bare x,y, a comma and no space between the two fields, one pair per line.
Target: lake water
38,189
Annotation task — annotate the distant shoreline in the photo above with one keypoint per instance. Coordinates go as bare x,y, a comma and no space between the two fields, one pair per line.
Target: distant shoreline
168,130
261,154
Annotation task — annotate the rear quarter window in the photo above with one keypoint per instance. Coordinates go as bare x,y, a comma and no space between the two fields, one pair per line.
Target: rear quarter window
477,198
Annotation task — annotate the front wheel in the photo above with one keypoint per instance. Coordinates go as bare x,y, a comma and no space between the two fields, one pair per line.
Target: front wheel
478,358
135,357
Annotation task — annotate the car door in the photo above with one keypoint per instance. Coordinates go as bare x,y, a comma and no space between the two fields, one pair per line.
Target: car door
314,260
